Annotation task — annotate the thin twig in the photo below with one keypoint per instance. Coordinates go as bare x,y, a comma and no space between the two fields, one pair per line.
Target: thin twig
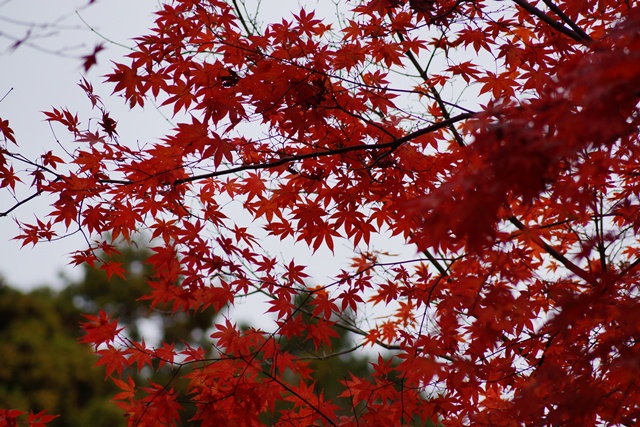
6,94
553,252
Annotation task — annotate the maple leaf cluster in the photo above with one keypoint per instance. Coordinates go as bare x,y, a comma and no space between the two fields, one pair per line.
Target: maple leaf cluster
519,193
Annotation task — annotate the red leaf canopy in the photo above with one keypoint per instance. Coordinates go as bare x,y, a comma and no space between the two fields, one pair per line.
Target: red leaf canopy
497,141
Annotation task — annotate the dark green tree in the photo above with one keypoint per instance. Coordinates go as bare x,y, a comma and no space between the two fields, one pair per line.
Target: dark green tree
122,296
43,367
328,367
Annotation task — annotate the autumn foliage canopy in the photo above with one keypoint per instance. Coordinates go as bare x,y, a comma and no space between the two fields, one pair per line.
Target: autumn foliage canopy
478,160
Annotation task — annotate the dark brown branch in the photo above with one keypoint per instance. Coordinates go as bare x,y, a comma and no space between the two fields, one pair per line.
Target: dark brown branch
443,271
434,94
553,23
590,279
31,197
241,18
600,233
629,267
290,159
555,9
331,355
20,203
302,398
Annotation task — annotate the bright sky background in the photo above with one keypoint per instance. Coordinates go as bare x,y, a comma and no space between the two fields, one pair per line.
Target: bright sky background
44,72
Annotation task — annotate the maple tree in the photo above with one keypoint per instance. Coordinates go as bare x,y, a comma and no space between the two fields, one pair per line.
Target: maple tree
497,140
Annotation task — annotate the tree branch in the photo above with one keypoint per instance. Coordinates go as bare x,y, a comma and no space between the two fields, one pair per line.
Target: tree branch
20,203
435,94
553,23
555,9
587,277
290,159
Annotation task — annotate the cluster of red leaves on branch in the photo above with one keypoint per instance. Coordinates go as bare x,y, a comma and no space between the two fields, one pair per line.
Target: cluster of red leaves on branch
10,417
522,307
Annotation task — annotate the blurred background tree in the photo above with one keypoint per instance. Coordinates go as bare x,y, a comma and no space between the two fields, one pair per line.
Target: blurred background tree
44,367
329,369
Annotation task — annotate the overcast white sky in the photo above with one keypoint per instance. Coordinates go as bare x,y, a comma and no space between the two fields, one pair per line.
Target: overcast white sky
44,72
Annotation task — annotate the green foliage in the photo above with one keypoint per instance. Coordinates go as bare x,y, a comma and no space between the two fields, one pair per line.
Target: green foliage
43,367
329,367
